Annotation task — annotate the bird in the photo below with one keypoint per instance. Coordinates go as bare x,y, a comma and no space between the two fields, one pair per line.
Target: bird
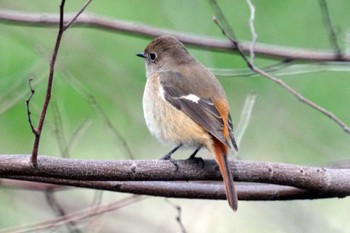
185,105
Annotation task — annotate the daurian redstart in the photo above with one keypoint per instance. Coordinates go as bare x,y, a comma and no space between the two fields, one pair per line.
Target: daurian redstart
185,105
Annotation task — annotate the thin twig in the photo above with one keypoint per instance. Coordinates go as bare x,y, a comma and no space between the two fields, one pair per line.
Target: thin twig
245,117
32,92
284,68
77,135
136,29
75,216
64,146
252,30
38,130
246,72
96,106
58,130
236,45
231,37
178,216
329,27
67,25
49,87
97,198
60,212
304,100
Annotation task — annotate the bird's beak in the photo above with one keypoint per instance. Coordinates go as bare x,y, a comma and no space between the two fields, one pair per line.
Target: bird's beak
142,54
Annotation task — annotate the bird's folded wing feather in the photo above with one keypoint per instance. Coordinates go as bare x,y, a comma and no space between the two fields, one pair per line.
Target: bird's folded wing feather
200,110
230,129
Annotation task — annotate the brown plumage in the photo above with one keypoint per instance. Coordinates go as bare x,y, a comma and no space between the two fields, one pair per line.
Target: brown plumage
185,105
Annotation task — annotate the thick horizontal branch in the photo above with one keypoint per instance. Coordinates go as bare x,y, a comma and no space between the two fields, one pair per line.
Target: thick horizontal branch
174,189
136,29
316,182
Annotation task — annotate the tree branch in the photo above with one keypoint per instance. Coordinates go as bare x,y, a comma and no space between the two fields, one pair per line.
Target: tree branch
32,92
137,29
329,27
59,211
37,131
149,176
228,32
252,30
74,216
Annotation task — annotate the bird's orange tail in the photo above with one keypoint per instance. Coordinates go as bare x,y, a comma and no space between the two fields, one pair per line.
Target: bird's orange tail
220,151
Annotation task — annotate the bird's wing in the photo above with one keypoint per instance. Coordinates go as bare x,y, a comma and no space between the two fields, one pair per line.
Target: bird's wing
176,90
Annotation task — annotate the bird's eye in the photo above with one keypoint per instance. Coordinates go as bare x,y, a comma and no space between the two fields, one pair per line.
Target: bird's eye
153,56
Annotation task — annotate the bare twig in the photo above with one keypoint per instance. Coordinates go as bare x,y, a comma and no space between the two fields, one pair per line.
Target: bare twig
77,135
329,27
74,19
38,130
16,91
58,209
64,146
252,30
178,216
58,130
286,68
236,45
245,117
226,30
90,98
112,128
32,91
75,216
97,199
137,29
304,100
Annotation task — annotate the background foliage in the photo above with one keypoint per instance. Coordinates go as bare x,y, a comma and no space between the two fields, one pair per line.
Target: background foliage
101,66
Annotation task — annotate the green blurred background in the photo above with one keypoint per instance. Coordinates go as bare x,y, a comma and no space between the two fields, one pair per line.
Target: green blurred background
96,66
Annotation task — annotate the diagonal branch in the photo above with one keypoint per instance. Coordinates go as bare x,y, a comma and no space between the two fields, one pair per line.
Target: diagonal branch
329,27
89,97
74,216
59,211
74,19
228,32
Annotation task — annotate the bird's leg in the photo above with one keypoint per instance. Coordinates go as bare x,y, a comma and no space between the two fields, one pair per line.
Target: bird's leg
193,156
169,154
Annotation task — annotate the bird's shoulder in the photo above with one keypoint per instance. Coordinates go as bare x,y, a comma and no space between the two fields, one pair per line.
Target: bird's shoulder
196,80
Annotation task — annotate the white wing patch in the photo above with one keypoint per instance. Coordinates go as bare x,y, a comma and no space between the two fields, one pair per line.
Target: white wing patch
191,97
162,92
